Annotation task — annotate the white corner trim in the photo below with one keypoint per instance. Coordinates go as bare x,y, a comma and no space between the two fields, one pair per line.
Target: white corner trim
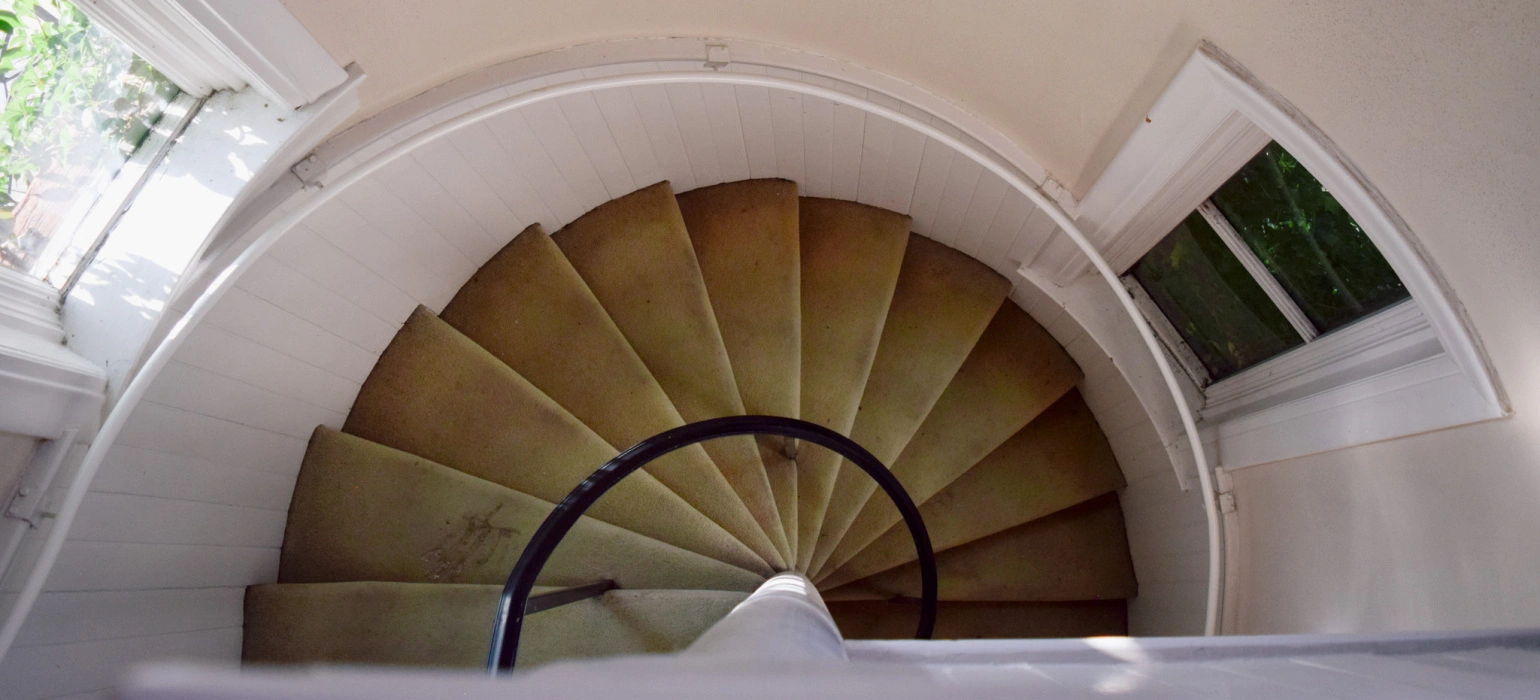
208,45
1333,392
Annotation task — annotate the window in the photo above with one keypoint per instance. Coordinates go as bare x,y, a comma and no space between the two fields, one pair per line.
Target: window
1297,300
1270,261
78,105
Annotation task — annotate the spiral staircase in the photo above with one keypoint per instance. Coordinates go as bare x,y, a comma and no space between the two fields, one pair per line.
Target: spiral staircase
656,310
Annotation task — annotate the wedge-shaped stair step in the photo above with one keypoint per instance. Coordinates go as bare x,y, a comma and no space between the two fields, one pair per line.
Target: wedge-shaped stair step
943,303
1014,373
414,624
1080,553
780,460
851,255
438,395
529,308
745,237
896,619
366,512
1058,460
637,258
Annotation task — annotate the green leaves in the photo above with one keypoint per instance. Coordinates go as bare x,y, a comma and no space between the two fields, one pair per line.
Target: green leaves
67,84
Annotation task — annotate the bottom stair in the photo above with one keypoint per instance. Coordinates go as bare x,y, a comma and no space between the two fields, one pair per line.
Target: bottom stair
450,625
897,619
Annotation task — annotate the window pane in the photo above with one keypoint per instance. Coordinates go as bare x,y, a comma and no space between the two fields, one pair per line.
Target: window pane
1212,300
77,105
1307,241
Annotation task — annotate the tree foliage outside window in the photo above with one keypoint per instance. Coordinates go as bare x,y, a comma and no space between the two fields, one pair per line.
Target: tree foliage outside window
1309,243
77,104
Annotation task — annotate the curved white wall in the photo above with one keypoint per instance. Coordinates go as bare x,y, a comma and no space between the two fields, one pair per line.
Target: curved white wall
190,504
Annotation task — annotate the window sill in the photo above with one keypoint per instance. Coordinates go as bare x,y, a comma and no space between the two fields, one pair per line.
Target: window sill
1390,339
1422,396
1384,377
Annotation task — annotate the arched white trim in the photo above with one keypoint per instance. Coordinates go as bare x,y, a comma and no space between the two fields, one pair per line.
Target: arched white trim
338,182
361,141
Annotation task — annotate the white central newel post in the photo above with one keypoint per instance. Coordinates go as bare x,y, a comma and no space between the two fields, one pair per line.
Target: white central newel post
785,620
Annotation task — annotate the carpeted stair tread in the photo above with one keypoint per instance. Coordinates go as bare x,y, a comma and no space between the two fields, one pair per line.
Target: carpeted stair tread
779,458
1015,372
1055,462
1080,553
637,258
437,394
528,307
942,305
363,511
851,255
448,625
1058,460
896,619
745,238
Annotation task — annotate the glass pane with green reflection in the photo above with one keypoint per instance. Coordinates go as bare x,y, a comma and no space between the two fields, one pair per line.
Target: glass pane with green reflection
1307,241
1212,300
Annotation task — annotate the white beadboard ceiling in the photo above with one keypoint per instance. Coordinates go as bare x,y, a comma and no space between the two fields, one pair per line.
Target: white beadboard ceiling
550,162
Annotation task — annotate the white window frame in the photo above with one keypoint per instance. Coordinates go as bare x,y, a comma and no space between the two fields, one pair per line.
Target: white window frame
1414,367
48,389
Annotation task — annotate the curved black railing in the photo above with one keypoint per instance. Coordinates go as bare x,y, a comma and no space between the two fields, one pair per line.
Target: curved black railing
511,609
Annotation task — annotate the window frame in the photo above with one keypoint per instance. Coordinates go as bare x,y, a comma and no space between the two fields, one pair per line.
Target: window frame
50,388
1413,367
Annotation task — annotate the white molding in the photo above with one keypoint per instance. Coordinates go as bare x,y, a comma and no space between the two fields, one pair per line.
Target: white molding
1393,337
643,55
208,45
1193,141
1423,396
1210,121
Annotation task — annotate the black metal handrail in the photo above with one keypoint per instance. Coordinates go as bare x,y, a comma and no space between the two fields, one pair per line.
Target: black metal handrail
511,608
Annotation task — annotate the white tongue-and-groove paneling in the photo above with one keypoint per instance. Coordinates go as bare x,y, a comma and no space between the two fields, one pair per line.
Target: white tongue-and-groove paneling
191,502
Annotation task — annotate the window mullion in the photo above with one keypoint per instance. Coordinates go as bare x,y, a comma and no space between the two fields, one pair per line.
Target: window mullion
1258,270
